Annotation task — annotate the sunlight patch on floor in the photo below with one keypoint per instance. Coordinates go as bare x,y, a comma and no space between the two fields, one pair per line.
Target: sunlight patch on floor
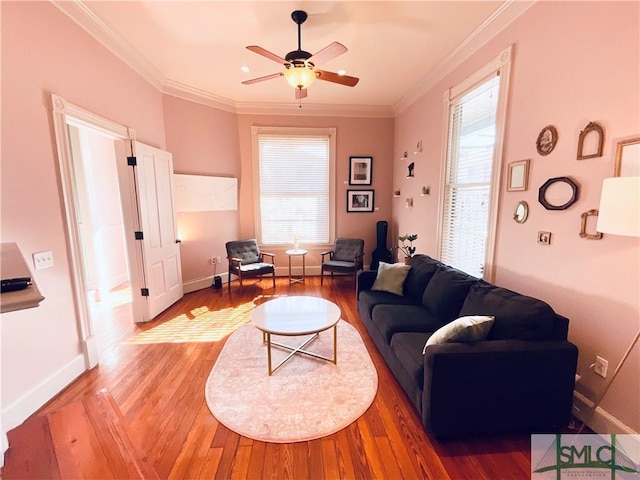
200,325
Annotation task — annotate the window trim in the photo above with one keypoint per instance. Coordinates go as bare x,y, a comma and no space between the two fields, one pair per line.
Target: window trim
330,132
499,65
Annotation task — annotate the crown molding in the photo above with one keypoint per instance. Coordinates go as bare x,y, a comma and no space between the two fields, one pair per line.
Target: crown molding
314,110
77,11
193,94
500,19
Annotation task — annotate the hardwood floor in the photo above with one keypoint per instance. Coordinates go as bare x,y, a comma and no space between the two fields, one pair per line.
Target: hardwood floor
157,375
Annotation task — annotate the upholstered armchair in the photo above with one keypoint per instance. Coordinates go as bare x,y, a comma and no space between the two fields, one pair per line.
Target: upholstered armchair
346,257
246,260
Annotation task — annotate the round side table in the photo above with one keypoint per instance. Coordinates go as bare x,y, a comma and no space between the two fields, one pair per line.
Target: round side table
296,253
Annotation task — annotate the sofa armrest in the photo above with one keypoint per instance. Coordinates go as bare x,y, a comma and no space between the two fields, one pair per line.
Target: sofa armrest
364,280
493,385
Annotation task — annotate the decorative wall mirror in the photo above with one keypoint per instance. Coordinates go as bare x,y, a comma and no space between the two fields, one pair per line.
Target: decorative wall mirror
583,226
521,212
547,139
558,193
628,158
590,141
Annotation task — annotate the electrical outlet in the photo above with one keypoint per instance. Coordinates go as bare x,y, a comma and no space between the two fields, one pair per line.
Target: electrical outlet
43,260
601,366
215,260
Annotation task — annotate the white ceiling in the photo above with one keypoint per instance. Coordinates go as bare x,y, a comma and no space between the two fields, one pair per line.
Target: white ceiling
196,49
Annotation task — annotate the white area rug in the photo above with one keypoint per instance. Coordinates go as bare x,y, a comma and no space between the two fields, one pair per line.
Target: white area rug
304,399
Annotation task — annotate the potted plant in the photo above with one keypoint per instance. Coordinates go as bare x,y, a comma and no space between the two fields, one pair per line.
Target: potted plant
408,249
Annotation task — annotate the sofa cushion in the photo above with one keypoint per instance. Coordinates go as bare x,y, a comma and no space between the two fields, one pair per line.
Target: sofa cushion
422,269
408,348
446,291
464,329
517,316
391,277
390,319
370,298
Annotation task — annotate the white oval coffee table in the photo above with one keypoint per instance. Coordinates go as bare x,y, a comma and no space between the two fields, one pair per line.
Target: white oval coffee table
293,317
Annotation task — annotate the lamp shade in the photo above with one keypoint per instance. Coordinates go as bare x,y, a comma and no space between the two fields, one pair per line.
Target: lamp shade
300,77
619,212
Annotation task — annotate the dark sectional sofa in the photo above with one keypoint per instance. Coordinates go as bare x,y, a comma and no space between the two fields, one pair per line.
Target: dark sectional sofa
519,379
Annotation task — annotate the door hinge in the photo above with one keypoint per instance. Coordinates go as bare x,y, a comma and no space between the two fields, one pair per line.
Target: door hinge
131,161
139,236
144,292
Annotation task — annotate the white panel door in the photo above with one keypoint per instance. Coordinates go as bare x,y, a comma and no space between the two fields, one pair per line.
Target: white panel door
161,253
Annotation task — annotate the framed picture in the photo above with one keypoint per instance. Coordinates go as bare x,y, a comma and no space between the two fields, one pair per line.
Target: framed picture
628,158
544,238
360,170
359,200
518,176
547,139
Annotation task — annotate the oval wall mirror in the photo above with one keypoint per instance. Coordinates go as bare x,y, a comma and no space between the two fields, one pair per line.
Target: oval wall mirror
558,193
521,212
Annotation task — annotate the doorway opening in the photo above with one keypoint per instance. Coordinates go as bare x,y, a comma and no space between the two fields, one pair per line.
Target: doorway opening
101,231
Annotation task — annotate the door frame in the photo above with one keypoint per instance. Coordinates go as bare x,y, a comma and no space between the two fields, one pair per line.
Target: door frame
65,113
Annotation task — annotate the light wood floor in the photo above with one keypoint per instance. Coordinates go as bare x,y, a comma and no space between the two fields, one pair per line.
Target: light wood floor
157,373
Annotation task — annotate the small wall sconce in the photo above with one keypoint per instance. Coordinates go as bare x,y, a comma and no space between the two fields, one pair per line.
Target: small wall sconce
396,193
425,191
418,147
408,202
404,156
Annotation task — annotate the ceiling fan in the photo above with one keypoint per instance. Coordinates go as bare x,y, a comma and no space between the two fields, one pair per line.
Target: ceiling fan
300,66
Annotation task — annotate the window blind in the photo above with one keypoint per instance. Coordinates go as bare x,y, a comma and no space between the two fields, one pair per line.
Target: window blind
467,193
294,188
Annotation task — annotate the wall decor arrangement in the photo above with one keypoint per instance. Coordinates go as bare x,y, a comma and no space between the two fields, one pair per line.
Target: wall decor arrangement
396,193
425,191
404,156
518,180
418,148
544,238
359,200
410,167
408,202
360,170
547,139
521,212
558,193
583,226
591,137
628,158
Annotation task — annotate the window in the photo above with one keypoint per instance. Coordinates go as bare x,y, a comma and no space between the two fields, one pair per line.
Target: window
473,158
294,185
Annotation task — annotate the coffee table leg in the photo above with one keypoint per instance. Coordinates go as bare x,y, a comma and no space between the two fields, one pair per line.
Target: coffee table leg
335,344
269,353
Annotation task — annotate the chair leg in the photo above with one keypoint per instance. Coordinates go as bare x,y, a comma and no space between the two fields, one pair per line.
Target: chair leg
321,275
274,279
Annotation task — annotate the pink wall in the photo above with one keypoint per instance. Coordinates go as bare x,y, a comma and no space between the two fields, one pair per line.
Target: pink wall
203,141
565,73
354,136
44,52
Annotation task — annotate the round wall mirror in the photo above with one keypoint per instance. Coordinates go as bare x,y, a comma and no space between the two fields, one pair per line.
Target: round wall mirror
558,193
521,212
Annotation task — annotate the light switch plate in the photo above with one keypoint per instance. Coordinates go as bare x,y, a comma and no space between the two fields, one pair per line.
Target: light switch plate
43,260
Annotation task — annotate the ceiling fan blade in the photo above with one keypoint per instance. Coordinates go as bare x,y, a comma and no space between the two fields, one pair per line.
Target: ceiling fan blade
335,78
301,93
268,54
328,53
261,79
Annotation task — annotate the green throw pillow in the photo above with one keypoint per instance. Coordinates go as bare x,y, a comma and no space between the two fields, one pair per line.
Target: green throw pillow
391,277
465,329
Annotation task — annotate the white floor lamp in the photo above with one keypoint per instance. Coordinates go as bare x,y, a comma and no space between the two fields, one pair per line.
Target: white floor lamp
619,214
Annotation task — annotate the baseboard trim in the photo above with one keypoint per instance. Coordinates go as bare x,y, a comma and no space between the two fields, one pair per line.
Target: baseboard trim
198,284
16,413
601,421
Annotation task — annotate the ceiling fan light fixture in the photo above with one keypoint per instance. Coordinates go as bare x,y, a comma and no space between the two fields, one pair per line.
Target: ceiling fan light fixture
300,77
